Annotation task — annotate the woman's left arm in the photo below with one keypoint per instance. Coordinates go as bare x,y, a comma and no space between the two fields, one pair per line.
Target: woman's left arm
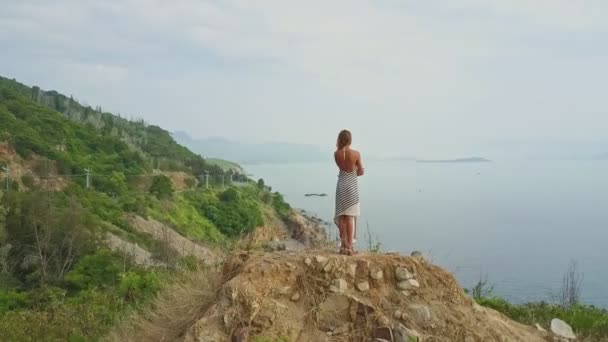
360,169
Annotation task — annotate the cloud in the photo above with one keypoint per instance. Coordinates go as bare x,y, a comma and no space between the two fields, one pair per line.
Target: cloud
428,70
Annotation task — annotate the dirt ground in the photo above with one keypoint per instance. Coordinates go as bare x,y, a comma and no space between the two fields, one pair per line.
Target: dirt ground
322,296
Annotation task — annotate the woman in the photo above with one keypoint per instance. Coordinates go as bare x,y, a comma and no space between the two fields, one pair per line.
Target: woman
347,190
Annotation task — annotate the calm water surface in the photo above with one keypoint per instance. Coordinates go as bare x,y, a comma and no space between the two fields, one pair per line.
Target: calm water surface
518,223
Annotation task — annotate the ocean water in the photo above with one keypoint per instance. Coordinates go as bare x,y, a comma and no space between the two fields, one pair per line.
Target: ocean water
518,224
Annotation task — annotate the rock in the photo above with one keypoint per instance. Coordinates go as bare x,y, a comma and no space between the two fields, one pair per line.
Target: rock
338,286
421,313
352,270
403,334
362,268
307,261
376,273
416,254
541,329
321,260
383,321
360,312
408,284
402,273
328,267
397,314
363,286
562,329
334,311
406,293
385,333
295,297
240,335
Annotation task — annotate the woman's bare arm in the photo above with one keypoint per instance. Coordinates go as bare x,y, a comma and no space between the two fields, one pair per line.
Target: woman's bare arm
360,169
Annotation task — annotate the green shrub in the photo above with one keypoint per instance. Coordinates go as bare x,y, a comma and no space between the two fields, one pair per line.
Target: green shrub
161,186
100,269
282,208
135,286
12,300
28,180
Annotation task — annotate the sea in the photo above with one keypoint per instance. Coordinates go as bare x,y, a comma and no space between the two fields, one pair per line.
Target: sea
516,225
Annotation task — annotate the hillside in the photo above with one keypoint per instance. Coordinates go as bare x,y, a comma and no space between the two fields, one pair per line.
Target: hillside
98,213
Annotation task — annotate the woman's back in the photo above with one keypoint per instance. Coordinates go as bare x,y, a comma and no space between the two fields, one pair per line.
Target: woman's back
347,160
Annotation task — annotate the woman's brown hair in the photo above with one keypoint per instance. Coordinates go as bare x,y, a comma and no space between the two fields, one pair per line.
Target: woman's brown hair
344,139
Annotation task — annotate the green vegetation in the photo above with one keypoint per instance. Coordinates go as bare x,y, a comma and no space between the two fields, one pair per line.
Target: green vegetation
58,279
586,320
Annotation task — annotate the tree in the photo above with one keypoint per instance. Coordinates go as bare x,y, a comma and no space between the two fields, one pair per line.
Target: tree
261,184
161,186
117,183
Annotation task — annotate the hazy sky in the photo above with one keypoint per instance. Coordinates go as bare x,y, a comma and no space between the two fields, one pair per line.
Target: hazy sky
424,77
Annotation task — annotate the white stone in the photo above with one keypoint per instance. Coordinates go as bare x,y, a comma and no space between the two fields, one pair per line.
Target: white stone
539,328
321,260
376,273
408,284
562,329
338,286
307,261
363,286
352,270
397,314
383,321
295,297
403,273
421,313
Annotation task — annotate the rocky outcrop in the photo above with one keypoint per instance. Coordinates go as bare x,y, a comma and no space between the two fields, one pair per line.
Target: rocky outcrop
316,296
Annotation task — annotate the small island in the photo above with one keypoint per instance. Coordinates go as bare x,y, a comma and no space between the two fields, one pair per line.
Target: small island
459,160
316,195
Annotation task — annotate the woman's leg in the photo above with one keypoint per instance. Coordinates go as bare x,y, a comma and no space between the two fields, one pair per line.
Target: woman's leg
342,226
350,229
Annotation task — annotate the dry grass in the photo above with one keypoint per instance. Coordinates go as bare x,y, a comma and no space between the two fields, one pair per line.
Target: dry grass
174,310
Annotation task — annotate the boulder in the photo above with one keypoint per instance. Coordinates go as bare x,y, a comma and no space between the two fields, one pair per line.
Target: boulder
408,284
420,313
402,273
376,273
363,286
562,329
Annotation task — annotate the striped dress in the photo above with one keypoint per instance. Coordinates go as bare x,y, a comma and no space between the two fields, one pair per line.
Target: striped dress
347,195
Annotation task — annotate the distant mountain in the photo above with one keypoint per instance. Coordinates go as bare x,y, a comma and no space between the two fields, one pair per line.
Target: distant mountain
252,153
460,160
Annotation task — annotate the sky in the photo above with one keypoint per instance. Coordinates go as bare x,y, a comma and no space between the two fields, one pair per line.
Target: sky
439,78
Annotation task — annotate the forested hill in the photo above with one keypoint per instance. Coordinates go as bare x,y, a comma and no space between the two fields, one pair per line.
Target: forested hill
98,213
52,125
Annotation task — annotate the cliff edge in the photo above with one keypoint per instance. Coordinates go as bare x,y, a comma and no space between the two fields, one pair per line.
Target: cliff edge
316,295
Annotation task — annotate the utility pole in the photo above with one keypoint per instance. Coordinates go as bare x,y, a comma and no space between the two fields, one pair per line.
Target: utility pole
88,173
7,170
